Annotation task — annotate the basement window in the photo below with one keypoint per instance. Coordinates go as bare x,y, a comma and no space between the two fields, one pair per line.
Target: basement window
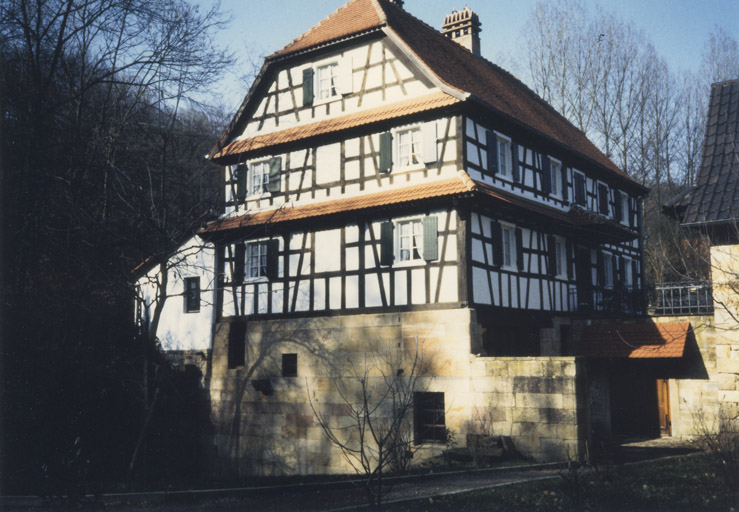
289,365
428,417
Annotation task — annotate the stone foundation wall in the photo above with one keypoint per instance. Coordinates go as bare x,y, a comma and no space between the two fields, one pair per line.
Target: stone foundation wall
266,423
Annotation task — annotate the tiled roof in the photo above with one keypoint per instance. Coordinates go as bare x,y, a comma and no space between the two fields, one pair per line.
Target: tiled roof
434,189
354,17
335,124
461,184
635,341
456,67
715,197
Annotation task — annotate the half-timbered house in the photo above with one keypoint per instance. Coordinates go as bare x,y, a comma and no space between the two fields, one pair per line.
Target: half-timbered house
386,185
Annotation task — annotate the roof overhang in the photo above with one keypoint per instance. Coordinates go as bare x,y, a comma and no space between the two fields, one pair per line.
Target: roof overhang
643,340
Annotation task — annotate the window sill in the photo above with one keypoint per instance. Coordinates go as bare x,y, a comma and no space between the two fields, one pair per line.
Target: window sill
408,263
256,280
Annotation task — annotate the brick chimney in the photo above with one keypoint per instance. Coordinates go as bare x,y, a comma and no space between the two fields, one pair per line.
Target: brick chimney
463,27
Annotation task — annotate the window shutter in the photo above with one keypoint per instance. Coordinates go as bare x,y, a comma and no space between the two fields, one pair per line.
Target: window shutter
386,152
239,263
241,174
386,243
346,76
492,150
307,87
497,233
430,238
622,270
580,189
552,250
429,143
565,192
570,256
634,275
273,250
614,268
275,167
519,248
632,213
546,175
601,269
603,199
514,159
619,211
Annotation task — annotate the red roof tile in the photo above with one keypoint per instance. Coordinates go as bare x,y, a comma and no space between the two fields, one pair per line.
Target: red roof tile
434,189
353,17
364,117
635,341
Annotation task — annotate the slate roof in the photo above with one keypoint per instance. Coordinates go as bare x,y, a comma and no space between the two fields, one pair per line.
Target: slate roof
464,74
335,124
644,340
715,197
460,185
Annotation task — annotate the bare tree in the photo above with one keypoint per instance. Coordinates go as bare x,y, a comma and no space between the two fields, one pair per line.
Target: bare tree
375,433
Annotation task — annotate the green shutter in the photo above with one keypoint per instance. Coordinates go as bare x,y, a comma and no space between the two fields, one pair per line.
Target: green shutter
514,159
492,150
430,238
546,175
239,263
519,248
386,152
386,243
241,173
307,87
273,252
619,211
497,233
570,251
275,169
565,192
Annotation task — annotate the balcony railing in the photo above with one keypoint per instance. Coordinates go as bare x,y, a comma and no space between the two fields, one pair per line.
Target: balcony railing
623,300
682,298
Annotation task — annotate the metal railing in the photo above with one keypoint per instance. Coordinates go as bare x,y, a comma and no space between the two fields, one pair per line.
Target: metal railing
621,299
682,298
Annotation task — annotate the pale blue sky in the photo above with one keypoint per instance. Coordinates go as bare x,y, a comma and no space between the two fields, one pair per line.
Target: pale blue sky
678,28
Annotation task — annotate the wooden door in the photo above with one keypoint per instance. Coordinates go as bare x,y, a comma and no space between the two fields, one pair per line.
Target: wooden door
663,405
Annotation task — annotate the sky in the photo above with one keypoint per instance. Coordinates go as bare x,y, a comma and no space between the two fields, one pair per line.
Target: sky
677,28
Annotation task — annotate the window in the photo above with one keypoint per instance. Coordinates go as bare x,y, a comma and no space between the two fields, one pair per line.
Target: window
258,178
607,271
555,171
236,344
509,247
256,260
289,365
410,240
504,157
428,417
415,240
603,199
560,255
625,210
627,272
580,189
327,81
409,147
192,294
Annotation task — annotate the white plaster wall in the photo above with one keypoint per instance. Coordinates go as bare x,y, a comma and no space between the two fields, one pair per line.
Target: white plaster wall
179,330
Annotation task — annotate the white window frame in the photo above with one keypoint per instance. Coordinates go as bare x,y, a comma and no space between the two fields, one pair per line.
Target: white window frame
560,256
508,241
415,149
331,91
555,177
625,209
627,272
584,186
505,157
409,242
608,265
261,265
261,169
